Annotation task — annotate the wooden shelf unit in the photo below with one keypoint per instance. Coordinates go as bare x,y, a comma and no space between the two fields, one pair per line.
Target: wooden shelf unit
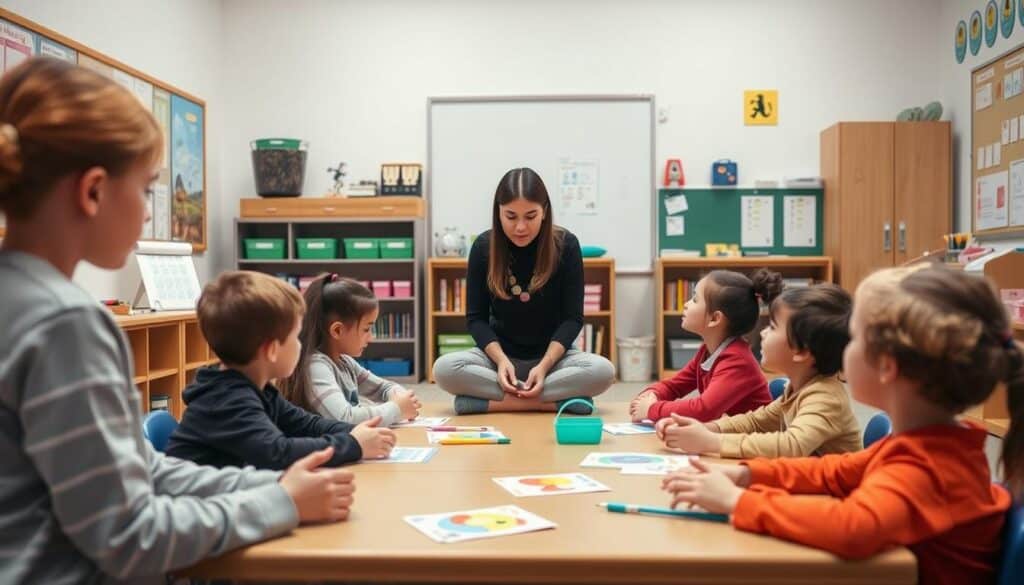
317,221
668,269
595,271
167,350
1005,272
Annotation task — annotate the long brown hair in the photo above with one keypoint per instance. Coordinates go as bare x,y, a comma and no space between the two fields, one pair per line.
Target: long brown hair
329,298
57,119
525,184
948,330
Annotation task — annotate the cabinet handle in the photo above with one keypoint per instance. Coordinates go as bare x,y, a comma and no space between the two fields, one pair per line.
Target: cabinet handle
328,210
887,237
903,236
271,210
388,208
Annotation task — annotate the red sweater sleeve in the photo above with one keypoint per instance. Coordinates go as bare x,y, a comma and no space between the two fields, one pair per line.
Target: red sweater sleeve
731,380
898,503
684,382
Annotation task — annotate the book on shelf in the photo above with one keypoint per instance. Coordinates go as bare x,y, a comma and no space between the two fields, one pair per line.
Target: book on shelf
678,292
451,295
159,402
794,282
393,326
590,340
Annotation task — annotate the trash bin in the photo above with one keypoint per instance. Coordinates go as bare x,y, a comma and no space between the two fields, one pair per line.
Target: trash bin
636,359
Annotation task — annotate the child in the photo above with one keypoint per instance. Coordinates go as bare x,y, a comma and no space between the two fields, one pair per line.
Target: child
926,344
805,339
725,306
235,416
84,497
328,380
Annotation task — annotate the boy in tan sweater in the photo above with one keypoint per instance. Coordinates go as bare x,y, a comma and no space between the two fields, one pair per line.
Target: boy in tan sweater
804,341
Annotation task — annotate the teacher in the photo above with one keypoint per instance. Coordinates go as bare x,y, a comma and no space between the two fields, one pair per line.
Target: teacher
524,297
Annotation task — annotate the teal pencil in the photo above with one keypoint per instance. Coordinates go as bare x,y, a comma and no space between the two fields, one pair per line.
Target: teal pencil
635,509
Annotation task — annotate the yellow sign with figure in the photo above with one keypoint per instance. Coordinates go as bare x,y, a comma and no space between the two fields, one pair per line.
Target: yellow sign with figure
761,107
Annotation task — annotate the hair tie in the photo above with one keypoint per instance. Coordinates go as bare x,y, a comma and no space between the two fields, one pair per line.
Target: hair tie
759,297
331,278
1008,342
9,132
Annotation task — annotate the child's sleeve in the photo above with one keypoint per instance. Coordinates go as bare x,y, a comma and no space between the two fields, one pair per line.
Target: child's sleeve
684,382
80,419
836,475
899,503
181,477
729,384
812,425
333,402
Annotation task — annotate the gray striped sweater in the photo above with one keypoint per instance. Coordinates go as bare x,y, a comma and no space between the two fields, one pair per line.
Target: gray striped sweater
83,497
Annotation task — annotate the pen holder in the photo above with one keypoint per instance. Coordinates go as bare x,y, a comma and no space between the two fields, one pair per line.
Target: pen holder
583,430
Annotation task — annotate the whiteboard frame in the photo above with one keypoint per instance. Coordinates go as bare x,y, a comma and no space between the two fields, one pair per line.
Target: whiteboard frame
649,98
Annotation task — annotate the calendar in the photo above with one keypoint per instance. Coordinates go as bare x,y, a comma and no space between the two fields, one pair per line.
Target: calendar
168,275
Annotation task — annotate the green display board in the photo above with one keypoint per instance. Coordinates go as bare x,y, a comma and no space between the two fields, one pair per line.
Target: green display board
715,216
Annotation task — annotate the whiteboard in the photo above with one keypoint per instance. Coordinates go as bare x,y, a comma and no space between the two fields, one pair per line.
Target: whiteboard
472,142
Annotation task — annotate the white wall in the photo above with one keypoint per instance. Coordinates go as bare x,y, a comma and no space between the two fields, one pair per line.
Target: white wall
353,77
176,41
956,98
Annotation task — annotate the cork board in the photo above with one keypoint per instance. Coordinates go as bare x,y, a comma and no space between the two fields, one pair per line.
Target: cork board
997,145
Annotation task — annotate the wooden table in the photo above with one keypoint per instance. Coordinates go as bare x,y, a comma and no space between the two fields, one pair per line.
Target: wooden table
588,546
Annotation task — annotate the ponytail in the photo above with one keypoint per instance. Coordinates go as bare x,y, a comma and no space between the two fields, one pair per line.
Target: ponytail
1012,457
739,298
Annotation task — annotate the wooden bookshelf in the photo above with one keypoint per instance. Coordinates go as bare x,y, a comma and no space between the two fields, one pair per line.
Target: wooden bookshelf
595,271
1005,272
167,350
670,269
342,218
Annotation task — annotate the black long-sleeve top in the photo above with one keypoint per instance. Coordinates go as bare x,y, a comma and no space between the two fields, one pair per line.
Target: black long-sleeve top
524,330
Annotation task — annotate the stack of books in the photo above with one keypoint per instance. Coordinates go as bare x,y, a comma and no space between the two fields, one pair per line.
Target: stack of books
590,340
678,292
451,295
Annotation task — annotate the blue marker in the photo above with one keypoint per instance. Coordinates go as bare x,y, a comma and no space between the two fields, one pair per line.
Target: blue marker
635,509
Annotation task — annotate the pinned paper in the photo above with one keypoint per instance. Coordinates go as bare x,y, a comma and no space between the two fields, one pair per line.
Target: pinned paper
983,97
675,226
997,154
676,204
980,159
988,156
1014,130
1006,132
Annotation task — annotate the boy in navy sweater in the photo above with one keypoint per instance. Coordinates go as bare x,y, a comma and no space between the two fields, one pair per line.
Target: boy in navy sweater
235,416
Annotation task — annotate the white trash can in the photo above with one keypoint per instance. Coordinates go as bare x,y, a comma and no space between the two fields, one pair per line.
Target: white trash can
636,359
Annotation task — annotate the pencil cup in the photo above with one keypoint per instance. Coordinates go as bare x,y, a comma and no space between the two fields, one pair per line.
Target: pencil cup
582,430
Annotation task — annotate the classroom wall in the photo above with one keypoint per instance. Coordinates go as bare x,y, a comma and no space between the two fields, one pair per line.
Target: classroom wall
353,78
955,92
177,41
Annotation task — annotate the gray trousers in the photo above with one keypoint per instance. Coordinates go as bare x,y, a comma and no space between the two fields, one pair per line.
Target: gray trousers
472,373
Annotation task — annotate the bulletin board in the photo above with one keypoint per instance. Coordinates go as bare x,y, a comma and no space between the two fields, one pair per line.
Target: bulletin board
997,145
177,204
785,222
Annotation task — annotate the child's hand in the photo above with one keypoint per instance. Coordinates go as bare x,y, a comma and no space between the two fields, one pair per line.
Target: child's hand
704,485
690,435
320,495
407,402
662,426
640,405
376,443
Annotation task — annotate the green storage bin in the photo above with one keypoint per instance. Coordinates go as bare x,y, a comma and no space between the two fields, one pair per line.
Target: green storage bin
264,248
463,339
362,248
447,349
395,247
316,248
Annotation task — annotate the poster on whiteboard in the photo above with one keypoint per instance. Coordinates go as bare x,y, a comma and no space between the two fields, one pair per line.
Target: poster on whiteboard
991,194
577,186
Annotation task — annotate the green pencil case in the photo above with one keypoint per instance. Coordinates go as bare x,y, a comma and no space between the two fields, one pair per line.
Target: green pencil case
580,430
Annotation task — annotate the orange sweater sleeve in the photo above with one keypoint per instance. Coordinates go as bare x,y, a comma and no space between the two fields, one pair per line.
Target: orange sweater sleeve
836,475
898,503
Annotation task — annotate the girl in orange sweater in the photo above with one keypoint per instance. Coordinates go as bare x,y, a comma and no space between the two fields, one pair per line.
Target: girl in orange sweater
926,344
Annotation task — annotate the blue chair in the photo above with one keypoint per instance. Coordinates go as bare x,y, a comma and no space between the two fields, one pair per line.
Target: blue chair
157,428
1011,568
777,386
878,427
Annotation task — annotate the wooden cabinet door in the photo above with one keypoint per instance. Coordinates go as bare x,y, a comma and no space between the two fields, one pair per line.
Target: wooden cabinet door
866,188
923,195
